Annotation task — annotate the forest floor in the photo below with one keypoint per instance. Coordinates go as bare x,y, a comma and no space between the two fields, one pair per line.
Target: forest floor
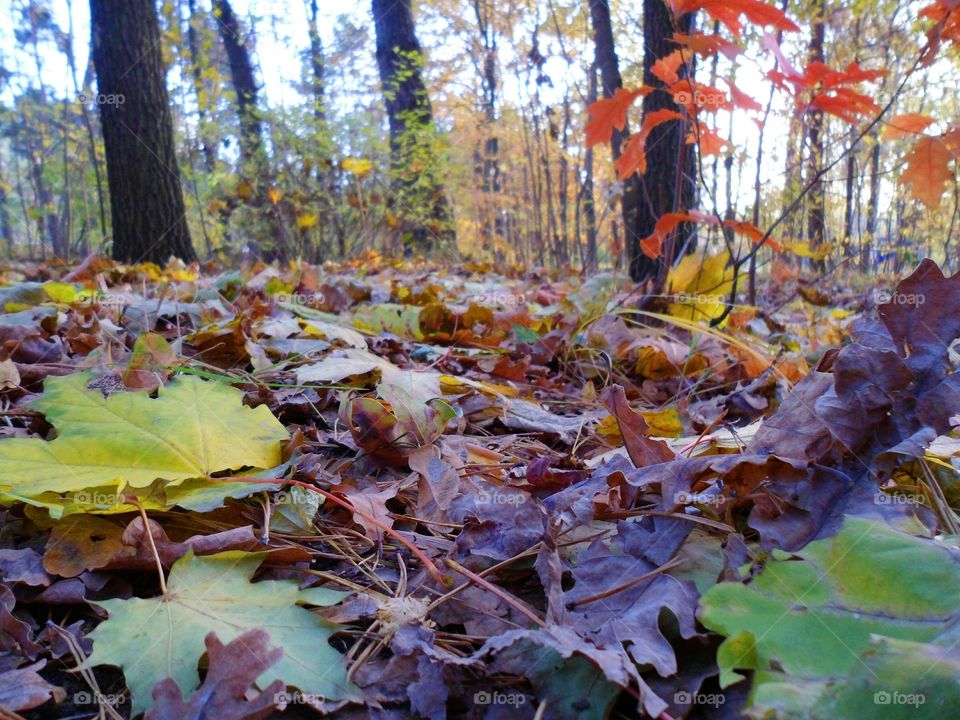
390,489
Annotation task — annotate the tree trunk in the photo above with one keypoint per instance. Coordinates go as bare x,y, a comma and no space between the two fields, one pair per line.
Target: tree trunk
489,166
816,211
873,203
317,66
609,66
244,83
6,225
146,200
418,194
589,205
669,185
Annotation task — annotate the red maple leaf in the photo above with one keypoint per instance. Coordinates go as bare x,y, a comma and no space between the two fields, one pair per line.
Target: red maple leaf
652,245
707,45
610,113
708,139
634,157
728,12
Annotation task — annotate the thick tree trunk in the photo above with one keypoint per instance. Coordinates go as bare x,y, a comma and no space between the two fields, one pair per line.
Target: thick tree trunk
669,185
146,200
609,66
420,202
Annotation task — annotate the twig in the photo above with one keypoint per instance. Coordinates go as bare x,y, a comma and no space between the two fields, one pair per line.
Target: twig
444,580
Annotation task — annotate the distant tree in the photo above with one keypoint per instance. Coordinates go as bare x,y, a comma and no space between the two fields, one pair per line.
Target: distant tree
147,209
421,206
605,57
244,83
669,185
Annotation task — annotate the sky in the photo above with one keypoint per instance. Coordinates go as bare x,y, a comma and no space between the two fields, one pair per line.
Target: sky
278,41
282,37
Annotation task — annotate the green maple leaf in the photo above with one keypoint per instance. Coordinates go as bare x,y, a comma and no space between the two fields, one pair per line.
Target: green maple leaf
152,639
191,430
866,612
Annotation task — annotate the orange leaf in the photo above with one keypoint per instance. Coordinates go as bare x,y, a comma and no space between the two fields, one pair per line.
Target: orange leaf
652,245
610,113
709,141
741,99
846,104
928,170
728,12
906,124
707,45
634,157
742,227
667,69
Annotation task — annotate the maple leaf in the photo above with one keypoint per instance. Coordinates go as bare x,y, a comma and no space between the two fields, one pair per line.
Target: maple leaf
906,124
155,638
634,157
946,26
704,285
845,103
192,429
741,99
708,140
928,169
707,45
753,232
652,245
810,619
830,90
667,69
728,12
609,114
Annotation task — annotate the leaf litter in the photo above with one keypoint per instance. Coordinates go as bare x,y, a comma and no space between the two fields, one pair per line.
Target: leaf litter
369,490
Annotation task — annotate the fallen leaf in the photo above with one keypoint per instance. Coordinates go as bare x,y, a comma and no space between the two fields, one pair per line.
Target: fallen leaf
155,638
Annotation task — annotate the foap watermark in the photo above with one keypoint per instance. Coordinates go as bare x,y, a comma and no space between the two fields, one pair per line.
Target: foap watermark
297,698
698,299
95,698
101,499
104,298
692,498
496,497
287,497
295,298
101,98
885,297
495,697
714,700
499,298
701,98
883,697
882,498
